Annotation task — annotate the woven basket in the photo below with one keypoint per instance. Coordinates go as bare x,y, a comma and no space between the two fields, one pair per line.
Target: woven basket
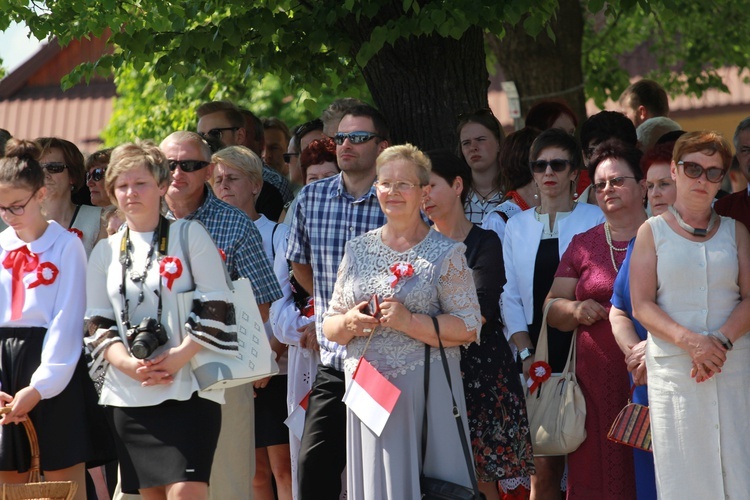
35,489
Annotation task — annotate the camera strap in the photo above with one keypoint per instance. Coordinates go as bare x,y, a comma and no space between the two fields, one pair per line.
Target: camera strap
159,245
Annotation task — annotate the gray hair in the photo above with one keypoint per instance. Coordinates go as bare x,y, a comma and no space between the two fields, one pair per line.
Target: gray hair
652,129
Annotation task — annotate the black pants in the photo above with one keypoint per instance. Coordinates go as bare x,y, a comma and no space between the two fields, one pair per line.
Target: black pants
322,454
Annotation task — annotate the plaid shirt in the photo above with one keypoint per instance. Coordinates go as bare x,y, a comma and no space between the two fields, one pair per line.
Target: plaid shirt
236,235
278,181
325,218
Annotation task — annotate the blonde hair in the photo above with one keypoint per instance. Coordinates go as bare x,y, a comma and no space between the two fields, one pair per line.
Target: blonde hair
242,159
133,155
408,153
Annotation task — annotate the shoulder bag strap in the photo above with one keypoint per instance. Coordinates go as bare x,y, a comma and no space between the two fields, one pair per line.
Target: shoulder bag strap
456,413
426,393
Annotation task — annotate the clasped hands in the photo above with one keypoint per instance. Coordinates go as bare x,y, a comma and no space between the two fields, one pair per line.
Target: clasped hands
708,355
393,314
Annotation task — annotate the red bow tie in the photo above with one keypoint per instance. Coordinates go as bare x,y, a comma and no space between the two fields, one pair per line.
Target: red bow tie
20,262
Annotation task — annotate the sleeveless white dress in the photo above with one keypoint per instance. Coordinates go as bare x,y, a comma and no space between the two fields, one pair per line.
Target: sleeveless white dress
701,435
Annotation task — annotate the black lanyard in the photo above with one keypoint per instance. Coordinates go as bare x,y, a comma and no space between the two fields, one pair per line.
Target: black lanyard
159,244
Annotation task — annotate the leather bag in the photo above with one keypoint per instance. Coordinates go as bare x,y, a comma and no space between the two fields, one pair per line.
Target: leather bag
557,408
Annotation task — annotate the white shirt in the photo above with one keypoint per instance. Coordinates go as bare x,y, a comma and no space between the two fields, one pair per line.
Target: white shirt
57,306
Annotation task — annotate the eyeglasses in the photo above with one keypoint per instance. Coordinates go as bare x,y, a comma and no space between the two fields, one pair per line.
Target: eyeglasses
187,165
288,156
215,133
401,186
53,167
18,209
95,174
557,165
695,170
358,137
615,183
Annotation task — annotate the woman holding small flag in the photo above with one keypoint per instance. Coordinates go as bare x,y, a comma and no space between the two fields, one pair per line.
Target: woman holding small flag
391,284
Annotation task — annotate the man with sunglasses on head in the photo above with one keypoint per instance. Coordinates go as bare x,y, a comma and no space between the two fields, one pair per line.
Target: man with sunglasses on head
737,205
329,213
189,197
222,124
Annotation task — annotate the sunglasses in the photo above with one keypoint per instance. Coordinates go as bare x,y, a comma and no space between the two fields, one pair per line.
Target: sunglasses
95,174
557,165
187,165
53,167
615,183
358,137
288,156
215,133
695,170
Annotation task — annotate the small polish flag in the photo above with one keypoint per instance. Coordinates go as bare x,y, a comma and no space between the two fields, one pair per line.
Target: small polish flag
296,420
371,396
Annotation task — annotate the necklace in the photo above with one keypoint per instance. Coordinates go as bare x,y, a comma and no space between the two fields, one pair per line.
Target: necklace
485,198
695,231
518,200
612,248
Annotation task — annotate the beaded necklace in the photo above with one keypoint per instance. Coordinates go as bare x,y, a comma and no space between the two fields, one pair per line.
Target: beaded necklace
612,248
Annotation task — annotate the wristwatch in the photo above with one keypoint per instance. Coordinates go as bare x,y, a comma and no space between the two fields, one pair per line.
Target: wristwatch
526,353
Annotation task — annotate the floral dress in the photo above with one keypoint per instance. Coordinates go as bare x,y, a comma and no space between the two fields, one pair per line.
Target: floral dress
495,403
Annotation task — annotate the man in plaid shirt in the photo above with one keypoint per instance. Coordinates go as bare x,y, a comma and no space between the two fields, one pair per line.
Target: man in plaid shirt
329,213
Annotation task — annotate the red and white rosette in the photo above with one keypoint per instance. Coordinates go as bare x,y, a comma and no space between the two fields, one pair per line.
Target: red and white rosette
223,255
399,271
46,273
539,372
170,269
76,231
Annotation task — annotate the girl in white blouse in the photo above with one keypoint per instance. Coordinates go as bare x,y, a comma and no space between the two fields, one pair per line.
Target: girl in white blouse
42,375
166,430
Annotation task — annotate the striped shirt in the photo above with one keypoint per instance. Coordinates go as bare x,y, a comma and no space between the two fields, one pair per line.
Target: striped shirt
325,218
236,235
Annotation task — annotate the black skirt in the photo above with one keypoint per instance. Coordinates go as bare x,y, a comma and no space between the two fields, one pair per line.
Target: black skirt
270,413
172,442
70,426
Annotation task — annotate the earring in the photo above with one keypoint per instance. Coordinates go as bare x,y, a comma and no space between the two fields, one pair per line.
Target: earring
536,193
72,187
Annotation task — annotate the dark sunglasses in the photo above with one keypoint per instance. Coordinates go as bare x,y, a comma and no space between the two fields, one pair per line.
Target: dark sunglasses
288,156
215,133
557,165
617,182
53,167
187,165
358,137
695,170
95,174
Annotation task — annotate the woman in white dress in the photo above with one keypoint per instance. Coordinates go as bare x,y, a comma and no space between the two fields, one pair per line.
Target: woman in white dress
63,166
690,283
166,430
417,274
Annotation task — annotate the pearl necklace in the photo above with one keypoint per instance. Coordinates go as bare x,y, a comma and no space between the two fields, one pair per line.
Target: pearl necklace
695,231
612,248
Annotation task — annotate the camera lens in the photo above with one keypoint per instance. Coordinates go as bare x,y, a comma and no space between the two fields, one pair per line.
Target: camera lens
144,345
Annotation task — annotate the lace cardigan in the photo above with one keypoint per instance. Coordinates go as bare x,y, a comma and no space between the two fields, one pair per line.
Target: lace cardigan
442,284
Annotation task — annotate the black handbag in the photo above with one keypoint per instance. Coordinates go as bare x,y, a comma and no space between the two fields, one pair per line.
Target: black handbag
439,489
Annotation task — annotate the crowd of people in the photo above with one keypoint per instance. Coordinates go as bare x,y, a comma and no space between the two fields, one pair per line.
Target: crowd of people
433,268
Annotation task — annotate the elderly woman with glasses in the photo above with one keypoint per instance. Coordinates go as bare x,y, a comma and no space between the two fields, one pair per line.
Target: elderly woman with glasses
583,283
417,275
690,282
64,175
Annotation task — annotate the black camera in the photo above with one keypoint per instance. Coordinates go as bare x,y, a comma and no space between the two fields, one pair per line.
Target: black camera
146,338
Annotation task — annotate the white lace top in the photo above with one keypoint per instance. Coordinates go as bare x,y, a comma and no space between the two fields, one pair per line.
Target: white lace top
442,284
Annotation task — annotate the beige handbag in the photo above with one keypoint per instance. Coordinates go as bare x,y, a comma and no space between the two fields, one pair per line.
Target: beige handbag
556,408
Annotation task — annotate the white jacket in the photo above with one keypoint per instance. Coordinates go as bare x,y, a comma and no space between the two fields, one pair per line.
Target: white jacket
520,246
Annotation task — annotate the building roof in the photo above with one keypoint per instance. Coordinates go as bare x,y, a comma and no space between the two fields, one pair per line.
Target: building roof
32,103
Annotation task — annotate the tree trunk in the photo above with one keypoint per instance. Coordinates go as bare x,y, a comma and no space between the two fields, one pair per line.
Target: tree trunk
422,84
544,69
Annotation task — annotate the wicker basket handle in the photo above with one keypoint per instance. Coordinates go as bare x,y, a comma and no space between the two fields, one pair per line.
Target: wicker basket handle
34,469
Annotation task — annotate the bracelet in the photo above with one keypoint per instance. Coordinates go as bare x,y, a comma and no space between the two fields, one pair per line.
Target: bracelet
723,339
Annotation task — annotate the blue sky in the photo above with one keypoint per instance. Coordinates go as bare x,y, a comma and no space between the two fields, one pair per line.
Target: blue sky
16,47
